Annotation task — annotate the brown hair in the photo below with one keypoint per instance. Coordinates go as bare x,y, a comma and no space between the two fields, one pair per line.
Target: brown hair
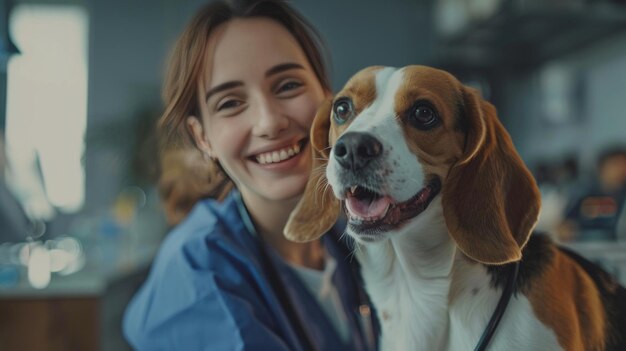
180,89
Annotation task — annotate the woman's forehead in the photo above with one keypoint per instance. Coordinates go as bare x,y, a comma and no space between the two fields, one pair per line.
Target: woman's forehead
243,49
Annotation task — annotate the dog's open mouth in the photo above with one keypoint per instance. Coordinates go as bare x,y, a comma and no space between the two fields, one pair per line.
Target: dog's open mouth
371,213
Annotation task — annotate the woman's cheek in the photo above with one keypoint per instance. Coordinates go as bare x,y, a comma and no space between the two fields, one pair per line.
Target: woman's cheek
225,136
306,109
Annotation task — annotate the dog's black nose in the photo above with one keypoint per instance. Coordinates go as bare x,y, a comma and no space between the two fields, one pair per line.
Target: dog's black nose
355,150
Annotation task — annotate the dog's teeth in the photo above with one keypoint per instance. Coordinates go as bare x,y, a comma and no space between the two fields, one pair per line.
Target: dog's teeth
353,189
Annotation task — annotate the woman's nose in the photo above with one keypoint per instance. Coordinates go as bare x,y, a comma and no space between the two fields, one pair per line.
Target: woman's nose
270,119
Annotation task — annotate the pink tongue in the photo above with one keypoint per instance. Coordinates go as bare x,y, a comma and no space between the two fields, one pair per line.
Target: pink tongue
367,209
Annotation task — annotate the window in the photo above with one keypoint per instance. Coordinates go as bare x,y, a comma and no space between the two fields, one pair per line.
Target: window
47,108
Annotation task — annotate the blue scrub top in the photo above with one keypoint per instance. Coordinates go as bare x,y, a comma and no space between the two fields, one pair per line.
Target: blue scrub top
213,286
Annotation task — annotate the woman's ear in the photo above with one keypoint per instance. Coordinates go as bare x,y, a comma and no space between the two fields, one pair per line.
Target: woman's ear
199,137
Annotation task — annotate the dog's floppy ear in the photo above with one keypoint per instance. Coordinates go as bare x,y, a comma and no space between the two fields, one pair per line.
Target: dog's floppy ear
318,208
490,200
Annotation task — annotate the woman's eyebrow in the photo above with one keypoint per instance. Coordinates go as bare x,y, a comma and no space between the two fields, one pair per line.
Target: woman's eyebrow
272,71
283,67
222,87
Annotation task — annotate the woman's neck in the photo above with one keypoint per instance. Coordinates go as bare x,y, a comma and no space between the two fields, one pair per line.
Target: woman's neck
269,218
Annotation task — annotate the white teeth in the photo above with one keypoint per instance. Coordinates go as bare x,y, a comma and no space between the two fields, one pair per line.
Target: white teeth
278,155
369,219
353,189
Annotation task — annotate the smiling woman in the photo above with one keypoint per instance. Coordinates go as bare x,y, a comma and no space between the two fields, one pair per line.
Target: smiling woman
245,82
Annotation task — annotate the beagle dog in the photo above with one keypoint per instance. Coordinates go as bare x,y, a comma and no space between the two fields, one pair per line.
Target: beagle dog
441,208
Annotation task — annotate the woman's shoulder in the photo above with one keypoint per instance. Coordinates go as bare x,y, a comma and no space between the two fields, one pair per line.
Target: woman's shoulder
209,226
211,242
204,249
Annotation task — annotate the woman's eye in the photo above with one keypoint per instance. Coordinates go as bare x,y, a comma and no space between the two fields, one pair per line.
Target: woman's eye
229,104
342,110
424,117
291,85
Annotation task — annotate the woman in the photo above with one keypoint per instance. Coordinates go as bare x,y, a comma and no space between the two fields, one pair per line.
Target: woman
244,83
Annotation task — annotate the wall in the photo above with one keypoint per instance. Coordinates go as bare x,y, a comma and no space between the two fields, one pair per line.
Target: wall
601,121
128,45
370,32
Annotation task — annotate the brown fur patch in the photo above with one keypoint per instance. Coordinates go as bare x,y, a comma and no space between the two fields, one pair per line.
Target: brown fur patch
577,317
318,209
437,149
490,200
361,89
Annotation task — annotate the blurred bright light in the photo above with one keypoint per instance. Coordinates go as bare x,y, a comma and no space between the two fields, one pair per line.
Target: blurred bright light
59,259
39,267
47,107
63,255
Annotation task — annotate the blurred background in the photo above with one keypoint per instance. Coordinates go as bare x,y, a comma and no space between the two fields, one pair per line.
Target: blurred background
80,217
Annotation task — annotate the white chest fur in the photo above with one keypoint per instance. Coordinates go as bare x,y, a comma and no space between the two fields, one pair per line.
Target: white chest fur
429,297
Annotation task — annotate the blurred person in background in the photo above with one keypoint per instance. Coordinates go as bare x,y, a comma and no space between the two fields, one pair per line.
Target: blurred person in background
243,86
559,185
595,214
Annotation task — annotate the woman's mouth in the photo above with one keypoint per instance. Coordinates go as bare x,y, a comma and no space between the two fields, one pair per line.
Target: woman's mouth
280,155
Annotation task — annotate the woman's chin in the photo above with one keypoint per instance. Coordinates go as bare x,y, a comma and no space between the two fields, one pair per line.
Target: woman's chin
286,189
290,189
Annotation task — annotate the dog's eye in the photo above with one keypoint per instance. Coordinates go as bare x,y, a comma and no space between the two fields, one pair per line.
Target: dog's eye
342,110
423,116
